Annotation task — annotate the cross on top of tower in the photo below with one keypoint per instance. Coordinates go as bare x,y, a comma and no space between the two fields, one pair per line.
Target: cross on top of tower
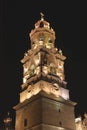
42,16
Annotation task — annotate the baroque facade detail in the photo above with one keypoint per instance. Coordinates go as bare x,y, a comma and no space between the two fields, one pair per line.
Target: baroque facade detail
43,63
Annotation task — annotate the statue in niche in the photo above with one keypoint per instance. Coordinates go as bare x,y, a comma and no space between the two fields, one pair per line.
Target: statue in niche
49,43
60,66
32,69
85,119
44,58
52,68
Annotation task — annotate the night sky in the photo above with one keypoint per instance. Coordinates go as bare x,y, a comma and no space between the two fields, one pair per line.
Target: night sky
17,19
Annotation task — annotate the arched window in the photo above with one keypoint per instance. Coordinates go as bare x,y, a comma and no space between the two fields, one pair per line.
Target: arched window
41,24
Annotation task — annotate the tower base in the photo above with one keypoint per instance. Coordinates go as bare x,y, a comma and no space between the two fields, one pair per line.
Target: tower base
45,112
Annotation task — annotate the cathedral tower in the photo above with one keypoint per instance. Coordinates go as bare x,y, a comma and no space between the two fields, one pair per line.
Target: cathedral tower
44,99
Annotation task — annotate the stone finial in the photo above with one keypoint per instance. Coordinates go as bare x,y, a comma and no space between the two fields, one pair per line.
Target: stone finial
60,51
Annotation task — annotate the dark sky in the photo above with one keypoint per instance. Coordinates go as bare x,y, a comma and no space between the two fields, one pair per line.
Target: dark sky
17,19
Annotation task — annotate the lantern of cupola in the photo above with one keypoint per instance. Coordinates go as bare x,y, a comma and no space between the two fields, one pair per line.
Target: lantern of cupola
42,34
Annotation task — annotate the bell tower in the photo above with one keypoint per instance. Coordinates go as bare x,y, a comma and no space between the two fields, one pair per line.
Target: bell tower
44,99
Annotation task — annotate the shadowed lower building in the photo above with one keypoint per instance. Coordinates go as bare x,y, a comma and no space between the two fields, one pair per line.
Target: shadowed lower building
44,97
81,123
7,123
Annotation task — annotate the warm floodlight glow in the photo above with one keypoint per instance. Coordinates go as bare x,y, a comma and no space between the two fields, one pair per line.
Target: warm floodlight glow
78,119
45,69
24,80
41,42
35,46
37,61
37,71
8,119
25,69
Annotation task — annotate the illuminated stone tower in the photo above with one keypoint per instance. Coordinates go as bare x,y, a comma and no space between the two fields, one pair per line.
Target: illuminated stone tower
44,99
